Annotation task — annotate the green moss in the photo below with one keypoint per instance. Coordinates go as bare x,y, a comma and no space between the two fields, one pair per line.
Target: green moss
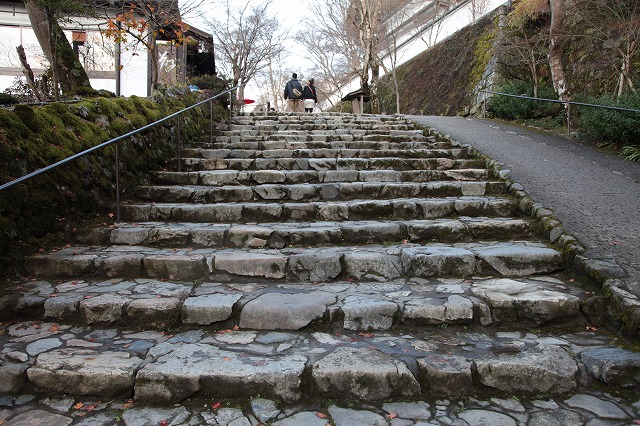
47,208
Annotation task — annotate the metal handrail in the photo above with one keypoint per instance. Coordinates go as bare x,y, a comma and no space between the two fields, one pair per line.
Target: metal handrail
116,141
563,102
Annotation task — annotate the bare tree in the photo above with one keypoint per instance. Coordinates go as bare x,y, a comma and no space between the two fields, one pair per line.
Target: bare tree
558,8
366,17
477,8
335,51
614,23
525,43
248,37
271,81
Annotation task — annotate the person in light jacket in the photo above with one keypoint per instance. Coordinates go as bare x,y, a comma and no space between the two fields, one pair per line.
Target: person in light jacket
309,96
293,94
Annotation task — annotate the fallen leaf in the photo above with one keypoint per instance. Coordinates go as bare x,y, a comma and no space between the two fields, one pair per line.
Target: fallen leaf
321,415
164,423
391,416
591,328
111,215
236,327
78,405
366,335
54,328
91,407
226,358
216,405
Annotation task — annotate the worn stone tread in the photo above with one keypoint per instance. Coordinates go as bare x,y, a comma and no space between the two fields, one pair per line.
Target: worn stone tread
226,153
292,305
353,209
163,368
279,235
516,258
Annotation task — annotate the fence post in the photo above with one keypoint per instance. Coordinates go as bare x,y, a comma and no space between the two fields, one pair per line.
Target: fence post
568,118
210,121
179,145
118,182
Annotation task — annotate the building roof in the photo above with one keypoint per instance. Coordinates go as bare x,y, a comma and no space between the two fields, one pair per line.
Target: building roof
356,94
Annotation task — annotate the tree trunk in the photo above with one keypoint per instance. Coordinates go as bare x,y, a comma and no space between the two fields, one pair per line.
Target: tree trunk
555,50
26,70
67,70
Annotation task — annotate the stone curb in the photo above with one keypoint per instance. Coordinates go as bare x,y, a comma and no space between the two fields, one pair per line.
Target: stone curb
622,306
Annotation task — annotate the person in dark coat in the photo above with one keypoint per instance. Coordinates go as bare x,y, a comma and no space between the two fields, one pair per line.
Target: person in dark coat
309,96
293,94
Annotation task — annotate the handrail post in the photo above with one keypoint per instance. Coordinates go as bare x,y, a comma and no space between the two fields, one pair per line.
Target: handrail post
568,118
179,145
118,182
210,121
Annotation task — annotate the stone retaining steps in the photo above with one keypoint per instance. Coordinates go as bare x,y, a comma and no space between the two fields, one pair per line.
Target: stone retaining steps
154,304
294,260
166,368
280,235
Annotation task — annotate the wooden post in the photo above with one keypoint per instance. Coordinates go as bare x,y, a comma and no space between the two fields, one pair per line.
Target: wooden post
28,73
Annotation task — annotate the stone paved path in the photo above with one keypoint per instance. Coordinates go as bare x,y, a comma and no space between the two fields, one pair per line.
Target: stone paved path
314,269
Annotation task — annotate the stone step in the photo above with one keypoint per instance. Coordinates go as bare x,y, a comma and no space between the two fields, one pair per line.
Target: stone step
232,177
362,262
280,235
330,127
148,303
205,153
366,166
216,189
288,367
261,212
589,406
252,143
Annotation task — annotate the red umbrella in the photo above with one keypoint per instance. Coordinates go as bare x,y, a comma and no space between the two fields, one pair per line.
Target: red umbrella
248,101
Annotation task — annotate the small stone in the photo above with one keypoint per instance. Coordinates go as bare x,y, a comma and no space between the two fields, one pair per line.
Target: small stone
264,409
486,418
599,407
153,416
39,417
40,346
349,417
409,410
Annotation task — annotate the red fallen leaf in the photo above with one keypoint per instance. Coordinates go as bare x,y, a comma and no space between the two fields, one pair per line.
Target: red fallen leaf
54,328
321,415
41,250
391,416
111,215
88,297
314,282
78,405
366,335
216,405
236,327
226,358
91,407
591,328
405,241
635,422
164,423
572,280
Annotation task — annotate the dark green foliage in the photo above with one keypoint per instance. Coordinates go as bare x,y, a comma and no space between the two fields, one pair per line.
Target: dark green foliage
606,125
510,108
7,99
54,203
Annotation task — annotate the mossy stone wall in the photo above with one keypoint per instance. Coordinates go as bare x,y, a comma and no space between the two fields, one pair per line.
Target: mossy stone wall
47,209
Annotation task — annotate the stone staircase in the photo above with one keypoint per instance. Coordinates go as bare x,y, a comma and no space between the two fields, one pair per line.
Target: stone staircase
310,256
